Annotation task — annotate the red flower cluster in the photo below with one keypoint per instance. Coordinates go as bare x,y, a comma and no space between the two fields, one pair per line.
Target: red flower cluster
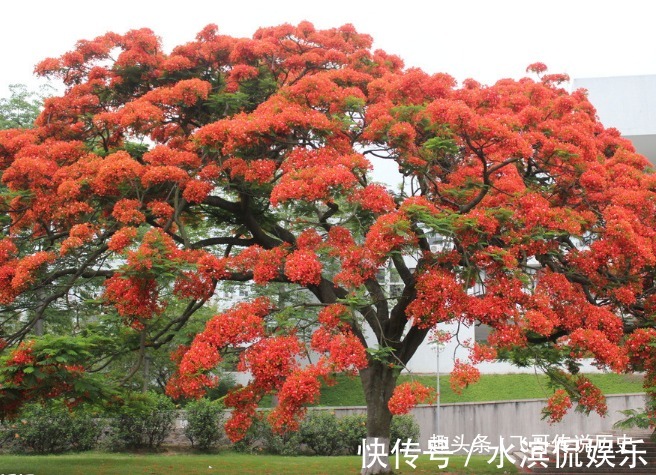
374,198
557,406
22,356
345,350
596,342
135,298
463,375
408,395
127,212
590,397
481,353
302,387
303,266
439,298
78,235
122,239
240,325
267,265
17,275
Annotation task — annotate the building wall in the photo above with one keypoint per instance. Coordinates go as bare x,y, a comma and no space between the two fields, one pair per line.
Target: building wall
627,103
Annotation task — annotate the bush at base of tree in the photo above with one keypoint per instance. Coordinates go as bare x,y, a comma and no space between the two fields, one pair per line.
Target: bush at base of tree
143,422
260,438
204,424
320,432
404,427
323,433
52,428
353,428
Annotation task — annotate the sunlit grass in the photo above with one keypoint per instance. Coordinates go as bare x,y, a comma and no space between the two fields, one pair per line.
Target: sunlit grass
491,387
222,463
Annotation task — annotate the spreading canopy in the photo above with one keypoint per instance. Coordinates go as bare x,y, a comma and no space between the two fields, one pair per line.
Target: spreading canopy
159,175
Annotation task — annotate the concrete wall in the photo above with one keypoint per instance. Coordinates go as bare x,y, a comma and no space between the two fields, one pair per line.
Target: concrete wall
510,419
507,419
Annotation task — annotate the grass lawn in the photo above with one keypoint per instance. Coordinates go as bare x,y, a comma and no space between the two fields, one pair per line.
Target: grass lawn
491,387
223,463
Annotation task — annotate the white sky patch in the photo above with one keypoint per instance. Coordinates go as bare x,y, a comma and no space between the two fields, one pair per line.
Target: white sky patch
483,39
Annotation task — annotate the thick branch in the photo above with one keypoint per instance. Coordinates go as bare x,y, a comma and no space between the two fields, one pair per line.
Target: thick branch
323,219
411,342
380,301
328,293
398,318
223,204
174,326
402,269
87,274
215,241
254,227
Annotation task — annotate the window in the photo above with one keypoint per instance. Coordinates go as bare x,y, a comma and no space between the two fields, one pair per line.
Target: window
482,332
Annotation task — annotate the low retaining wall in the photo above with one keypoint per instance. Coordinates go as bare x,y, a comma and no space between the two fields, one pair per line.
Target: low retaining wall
493,419
511,418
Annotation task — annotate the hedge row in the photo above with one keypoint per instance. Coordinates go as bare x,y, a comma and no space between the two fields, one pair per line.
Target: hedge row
145,420
321,433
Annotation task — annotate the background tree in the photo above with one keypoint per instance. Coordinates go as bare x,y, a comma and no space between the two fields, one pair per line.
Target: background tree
155,176
126,361
22,107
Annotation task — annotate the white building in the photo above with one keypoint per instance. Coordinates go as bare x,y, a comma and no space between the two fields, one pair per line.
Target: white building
627,103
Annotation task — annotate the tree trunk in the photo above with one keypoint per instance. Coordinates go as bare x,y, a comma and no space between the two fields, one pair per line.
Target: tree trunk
146,375
38,325
378,382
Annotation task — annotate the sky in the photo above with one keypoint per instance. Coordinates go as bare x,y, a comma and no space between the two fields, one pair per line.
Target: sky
484,40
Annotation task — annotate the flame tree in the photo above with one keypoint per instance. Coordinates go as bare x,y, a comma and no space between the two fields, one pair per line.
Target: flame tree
156,176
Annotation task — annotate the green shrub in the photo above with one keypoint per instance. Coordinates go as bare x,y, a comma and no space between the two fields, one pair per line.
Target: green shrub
323,433
320,432
86,432
281,444
52,428
352,429
143,421
249,443
404,427
226,383
253,441
260,438
204,424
